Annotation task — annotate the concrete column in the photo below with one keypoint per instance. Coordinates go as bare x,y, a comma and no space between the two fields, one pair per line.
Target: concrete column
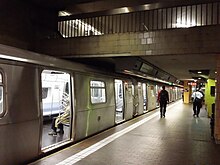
217,105
187,92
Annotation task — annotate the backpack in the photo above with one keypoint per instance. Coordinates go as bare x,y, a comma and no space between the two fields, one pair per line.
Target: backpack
197,100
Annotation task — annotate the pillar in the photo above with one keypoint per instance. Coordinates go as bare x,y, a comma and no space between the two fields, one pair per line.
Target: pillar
209,98
187,93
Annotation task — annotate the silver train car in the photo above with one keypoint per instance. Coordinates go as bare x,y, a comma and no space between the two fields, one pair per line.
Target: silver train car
34,86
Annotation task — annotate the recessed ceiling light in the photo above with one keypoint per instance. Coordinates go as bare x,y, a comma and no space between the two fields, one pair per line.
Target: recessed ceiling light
199,72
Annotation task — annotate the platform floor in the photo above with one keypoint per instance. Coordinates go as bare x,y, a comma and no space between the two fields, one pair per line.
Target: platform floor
178,139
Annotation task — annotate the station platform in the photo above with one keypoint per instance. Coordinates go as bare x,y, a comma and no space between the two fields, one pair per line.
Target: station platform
177,139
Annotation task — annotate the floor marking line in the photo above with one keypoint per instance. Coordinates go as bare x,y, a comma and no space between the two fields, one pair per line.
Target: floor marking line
84,153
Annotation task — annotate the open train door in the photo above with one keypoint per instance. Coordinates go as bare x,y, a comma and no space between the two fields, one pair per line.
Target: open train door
56,109
119,101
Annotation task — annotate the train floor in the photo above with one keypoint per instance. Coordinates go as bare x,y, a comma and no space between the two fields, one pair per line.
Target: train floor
177,139
48,140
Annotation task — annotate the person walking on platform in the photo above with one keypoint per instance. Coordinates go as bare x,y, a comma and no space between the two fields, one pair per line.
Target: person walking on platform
197,102
163,99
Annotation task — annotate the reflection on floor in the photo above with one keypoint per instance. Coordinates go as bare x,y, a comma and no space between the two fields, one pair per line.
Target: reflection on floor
48,140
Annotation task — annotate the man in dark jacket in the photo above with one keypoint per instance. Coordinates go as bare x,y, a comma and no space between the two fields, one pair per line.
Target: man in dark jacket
163,98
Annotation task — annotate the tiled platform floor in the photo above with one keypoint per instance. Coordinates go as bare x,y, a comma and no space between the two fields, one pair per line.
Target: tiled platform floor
178,139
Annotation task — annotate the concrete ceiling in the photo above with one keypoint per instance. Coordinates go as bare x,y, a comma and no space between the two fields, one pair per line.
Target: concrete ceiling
89,6
182,66
176,65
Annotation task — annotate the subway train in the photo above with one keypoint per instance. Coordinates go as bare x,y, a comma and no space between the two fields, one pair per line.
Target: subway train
32,89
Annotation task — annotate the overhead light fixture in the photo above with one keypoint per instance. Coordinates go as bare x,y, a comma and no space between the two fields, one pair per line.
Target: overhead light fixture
63,13
203,72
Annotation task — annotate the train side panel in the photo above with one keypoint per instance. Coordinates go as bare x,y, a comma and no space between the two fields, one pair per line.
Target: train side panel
93,93
20,127
93,117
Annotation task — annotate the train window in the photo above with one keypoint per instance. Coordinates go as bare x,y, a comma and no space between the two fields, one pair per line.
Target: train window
1,96
44,93
54,86
97,89
120,91
67,88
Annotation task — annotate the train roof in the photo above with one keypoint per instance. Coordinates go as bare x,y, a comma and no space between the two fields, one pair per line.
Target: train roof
21,55
25,56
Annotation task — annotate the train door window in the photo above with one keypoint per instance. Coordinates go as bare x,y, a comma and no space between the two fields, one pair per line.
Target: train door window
98,92
44,93
145,96
119,100
157,88
56,108
132,89
1,95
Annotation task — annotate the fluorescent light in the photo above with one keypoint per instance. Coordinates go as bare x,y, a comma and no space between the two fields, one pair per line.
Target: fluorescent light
13,58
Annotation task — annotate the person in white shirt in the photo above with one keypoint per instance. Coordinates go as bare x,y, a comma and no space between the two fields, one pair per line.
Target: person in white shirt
197,102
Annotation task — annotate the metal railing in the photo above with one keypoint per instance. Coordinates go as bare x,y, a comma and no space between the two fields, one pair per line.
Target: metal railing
148,20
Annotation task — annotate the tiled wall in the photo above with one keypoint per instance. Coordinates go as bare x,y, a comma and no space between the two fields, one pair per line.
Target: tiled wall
195,40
